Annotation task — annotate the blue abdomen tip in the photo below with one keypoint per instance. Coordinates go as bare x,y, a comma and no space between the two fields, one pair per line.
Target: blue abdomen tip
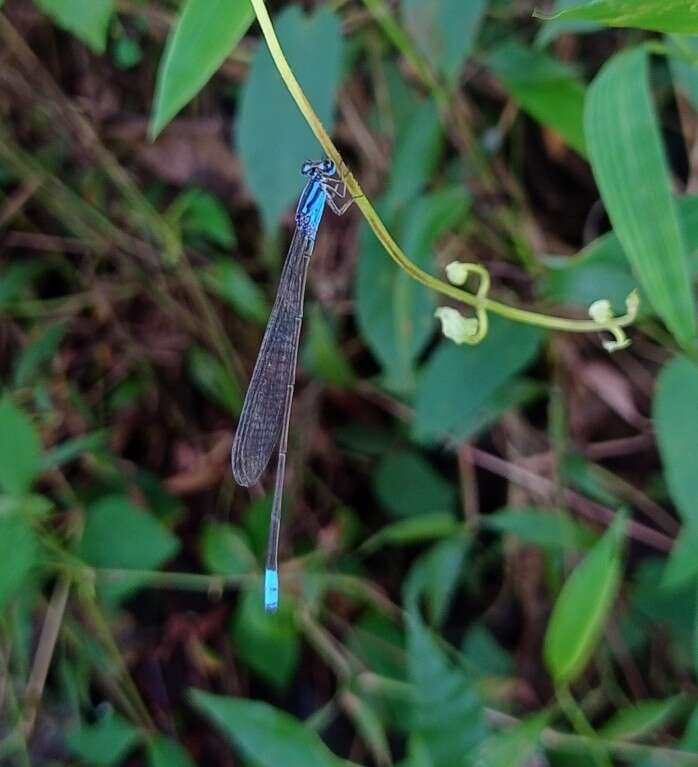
271,590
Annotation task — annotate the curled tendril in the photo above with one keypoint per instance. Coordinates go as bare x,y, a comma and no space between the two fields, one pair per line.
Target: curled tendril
460,329
602,313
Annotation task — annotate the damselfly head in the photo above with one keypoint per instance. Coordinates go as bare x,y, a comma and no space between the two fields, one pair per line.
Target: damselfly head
322,168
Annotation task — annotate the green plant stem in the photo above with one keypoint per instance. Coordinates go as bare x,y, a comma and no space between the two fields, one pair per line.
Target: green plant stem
582,726
377,225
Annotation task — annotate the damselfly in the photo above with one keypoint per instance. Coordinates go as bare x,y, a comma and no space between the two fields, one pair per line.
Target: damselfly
265,416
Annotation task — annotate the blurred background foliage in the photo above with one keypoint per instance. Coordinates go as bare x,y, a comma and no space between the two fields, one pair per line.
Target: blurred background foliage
487,552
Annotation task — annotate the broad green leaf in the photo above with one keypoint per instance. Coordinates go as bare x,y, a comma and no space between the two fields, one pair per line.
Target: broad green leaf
444,30
434,577
645,717
204,35
395,314
165,752
549,529
485,654
447,712
232,283
322,355
265,735
583,606
676,423
201,214
679,16
105,743
513,747
682,565
456,382
20,449
212,378
18,548
682,61
16,280
119,535
416,529
546,88
627,157
88,21
224,550
407,485
314,47
38,352
553,28
268,643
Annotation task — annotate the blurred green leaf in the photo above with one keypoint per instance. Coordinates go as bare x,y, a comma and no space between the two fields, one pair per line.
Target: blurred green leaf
106,742
676,422
314,47
165,752
583,606
546,88
395,314
444,30
268,643
18,548
39,350
679,16
200,213
16,280
434,577
485,654
204,35
120,535
549,529
647,716
322,355
554,28
89,22
682,565
233,284
447,712
627,157
127,52
407,486
266,735
416,529
20,449
513,747
369,726
456,383
212,378
683,67
73,448
224,550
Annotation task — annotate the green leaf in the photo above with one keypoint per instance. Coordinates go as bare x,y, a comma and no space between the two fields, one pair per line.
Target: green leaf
369,726
267,736
73,448
549,529
224,550
676,423
447,712
120,535
18,548
647,716
165,752
679,16
20,449
513,747
485,654
627,157
200,213
456,382
232,283
314,48
212,378
417,529
583,606
682,565
87,21
683,70
395,314
39,351
407,486
105,743
444,30
546,88
434,577
268,643
322,355
204,35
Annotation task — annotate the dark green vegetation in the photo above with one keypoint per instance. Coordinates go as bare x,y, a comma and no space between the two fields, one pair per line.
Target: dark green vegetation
488,551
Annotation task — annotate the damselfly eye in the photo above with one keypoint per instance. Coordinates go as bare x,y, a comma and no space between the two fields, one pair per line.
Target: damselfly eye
306,168
328,167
